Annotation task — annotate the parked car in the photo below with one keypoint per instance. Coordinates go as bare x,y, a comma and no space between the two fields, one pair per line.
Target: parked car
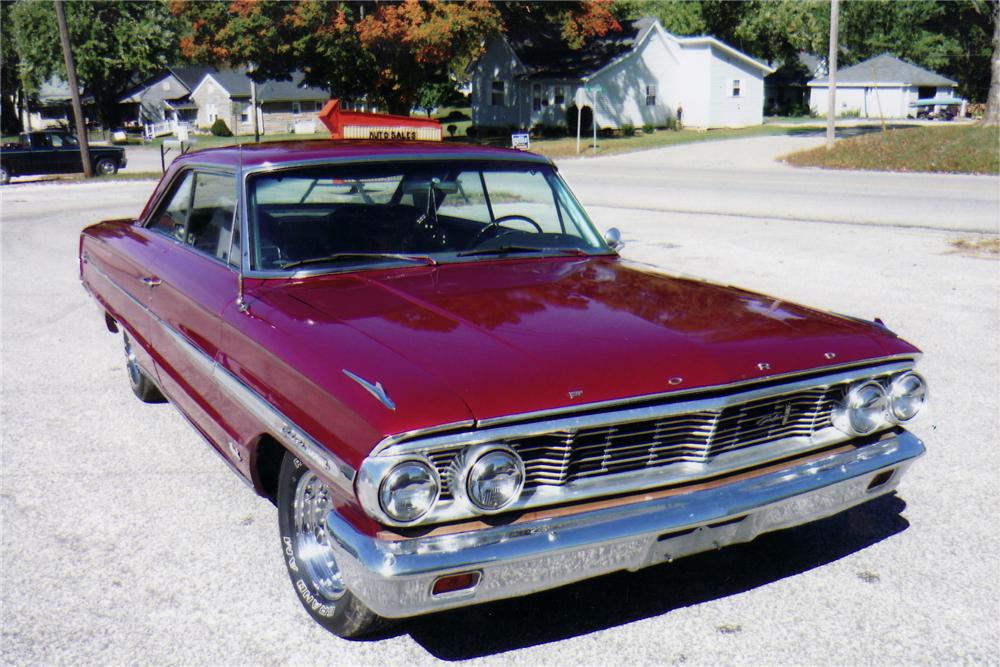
55,152
455,390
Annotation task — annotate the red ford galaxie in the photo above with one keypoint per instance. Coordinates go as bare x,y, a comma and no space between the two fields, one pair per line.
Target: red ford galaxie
456,391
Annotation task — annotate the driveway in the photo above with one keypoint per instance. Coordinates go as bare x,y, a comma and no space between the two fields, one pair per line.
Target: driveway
741,177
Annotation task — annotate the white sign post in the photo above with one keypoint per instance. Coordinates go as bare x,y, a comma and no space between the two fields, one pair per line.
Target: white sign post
594,91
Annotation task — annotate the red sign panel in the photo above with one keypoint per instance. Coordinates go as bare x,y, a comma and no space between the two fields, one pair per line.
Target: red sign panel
345,124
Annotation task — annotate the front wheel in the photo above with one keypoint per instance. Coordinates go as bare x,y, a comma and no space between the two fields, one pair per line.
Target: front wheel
303,503
106,167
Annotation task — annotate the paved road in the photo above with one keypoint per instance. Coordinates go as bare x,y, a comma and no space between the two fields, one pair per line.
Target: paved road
741,178
125,540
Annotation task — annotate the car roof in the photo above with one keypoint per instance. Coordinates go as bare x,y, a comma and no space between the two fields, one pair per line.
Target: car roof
262,155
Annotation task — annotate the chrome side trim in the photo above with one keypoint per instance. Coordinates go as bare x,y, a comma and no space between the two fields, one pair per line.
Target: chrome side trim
395,578
564,419
320,460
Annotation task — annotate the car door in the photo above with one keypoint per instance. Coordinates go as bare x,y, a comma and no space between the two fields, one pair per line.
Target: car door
65,154
42,157
195,281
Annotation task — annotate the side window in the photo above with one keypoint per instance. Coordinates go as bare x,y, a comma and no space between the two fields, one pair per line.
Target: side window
172,216
57,141
210,223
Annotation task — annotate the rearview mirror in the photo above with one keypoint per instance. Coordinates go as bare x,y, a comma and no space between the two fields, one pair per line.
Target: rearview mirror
444,187
613,238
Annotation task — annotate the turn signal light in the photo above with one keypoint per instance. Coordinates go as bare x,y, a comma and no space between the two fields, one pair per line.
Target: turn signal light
455,582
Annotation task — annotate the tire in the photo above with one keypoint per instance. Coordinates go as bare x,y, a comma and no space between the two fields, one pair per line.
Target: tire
303,502
4,175
106,167
143,388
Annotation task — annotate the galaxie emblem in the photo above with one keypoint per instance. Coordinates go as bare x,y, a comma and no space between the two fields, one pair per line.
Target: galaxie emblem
777,418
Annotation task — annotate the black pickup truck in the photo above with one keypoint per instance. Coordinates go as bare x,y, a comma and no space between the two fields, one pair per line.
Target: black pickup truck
54,152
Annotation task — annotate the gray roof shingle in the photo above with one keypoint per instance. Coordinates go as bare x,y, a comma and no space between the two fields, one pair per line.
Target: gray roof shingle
886,68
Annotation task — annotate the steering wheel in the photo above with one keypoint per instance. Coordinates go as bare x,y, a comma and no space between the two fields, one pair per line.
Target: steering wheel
498,221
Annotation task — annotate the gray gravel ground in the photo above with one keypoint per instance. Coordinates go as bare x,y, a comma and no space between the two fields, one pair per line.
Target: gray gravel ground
126,541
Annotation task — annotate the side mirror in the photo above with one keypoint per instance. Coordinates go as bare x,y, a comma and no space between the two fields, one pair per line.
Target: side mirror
613,238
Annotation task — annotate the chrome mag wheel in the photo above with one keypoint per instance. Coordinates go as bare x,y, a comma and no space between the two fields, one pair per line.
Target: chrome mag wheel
312,537
134,374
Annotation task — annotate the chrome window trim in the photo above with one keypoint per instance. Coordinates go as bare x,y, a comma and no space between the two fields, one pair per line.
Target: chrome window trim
321,460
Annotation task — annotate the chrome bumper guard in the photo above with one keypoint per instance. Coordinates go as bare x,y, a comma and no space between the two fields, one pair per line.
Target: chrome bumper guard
395,578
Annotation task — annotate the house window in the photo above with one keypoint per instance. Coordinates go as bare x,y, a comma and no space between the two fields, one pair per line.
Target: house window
560,96
296,108
498,96
212,112
926,92
245,113
536,97
317,106
650,96
737,88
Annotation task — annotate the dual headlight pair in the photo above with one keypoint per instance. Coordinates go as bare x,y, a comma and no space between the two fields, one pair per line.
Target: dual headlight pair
487,477
871,405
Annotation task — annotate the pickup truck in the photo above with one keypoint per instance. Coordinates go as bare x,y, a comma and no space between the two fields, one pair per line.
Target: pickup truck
54,152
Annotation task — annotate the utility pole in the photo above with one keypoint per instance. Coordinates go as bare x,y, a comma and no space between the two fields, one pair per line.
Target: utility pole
831,102
74,90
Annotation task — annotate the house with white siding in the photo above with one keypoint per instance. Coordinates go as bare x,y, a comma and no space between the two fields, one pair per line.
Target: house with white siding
880,87
639,75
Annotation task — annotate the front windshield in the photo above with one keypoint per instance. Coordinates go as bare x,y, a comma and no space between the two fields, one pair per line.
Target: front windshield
335,217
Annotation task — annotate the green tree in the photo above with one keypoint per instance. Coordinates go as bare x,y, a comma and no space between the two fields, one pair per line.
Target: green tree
11,92
391,52
116,43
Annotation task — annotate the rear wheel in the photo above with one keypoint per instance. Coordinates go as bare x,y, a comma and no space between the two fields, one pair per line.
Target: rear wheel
143,388
303,503
4,176
106,167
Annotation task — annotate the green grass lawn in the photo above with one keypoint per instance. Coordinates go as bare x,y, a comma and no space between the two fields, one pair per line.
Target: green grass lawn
566,147
966,149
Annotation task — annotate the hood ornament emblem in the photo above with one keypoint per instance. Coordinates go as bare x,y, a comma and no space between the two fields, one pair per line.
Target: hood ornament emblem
376,390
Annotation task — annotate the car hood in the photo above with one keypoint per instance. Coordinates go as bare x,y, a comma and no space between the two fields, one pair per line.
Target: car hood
516,336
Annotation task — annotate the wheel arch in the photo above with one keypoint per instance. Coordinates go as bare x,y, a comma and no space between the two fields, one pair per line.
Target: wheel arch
265,465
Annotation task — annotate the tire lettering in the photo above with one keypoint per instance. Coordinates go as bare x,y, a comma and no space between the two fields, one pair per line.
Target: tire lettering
290,554
311,601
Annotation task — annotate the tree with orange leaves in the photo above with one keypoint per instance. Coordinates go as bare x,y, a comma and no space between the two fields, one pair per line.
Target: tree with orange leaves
385,51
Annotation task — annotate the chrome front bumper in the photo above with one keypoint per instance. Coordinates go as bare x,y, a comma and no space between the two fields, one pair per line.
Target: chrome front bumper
395,578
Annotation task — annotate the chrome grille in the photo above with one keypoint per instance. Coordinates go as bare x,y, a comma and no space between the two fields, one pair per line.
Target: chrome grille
560,457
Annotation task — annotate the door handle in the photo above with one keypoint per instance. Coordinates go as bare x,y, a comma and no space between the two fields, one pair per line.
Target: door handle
150,281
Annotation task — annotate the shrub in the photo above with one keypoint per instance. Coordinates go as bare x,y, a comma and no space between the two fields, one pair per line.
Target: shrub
452,129
647,128
628,130
850,113
586,118
548,131
672,124
220,129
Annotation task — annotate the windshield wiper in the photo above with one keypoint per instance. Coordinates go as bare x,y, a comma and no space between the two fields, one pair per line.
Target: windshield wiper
341,256
504,249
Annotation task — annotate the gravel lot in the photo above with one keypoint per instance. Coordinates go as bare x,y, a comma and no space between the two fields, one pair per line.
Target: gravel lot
126,541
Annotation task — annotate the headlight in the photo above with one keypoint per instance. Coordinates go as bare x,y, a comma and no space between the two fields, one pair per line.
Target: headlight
863,410
409,491
907,396
491,478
